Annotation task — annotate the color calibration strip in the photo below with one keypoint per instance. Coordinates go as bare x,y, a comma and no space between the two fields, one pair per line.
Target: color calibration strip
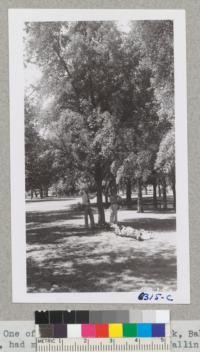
101,317
112,330
101,331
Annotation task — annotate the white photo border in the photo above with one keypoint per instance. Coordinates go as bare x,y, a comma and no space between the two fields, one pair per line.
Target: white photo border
17,17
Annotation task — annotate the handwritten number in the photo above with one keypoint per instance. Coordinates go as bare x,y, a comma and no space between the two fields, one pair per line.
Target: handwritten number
143,296
146,297
158,295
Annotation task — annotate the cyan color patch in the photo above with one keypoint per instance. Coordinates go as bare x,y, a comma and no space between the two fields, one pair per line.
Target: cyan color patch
144,330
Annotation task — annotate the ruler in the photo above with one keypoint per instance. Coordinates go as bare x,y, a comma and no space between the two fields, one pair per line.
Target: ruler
103,345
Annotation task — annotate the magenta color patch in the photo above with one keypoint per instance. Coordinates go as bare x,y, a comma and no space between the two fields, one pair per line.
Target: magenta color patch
88,330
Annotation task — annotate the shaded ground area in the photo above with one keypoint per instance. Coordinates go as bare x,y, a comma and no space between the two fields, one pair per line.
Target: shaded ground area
64,257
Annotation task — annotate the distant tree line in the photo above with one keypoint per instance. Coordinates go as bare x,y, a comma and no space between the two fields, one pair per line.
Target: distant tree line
102,113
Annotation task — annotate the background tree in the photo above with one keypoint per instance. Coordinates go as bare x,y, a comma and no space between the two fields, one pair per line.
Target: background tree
138,136
165,162
158,45
39,157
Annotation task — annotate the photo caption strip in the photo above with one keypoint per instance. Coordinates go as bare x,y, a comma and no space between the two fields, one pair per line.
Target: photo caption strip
20,336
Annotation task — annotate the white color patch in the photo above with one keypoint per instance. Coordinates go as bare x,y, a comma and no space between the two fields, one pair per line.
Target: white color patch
74,330
162,316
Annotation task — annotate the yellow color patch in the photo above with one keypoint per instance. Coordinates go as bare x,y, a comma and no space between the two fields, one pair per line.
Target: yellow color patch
115,330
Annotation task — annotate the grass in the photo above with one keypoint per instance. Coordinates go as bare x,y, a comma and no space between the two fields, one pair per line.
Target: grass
62,256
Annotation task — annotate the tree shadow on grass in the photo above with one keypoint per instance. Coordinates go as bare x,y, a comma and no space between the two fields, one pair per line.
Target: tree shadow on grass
152,224
120,273
70,258
51,216
129,275
53,234
37,217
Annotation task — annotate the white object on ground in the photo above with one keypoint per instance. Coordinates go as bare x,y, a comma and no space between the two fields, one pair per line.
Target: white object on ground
128,231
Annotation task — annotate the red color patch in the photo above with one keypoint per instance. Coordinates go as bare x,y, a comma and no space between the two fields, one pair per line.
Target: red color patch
102,330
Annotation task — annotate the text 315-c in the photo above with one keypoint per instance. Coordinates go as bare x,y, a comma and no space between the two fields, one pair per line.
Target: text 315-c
144,296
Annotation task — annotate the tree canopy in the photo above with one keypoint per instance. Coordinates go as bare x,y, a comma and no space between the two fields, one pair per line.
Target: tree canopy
103,107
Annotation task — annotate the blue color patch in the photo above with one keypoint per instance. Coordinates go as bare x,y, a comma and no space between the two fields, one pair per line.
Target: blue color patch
158,330
144,330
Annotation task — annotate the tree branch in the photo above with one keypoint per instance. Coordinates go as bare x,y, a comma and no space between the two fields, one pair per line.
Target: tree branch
57,49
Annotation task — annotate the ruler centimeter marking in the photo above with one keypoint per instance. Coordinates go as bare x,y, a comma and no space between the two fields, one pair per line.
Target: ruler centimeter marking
103,345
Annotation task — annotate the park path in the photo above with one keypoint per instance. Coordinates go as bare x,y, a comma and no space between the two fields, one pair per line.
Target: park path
48,205
63,257
67,204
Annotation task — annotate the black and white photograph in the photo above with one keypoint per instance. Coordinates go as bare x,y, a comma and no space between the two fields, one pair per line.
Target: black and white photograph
99,156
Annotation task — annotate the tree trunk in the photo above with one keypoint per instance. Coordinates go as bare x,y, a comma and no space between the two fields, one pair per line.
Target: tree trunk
101,213
164,194
41,192
128,192
159,191
155,203
146,190
106,199
174,194
140,200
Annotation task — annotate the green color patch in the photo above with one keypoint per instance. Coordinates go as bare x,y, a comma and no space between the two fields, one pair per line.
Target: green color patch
130,330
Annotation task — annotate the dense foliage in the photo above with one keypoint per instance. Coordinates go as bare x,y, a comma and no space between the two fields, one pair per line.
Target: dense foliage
102,113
